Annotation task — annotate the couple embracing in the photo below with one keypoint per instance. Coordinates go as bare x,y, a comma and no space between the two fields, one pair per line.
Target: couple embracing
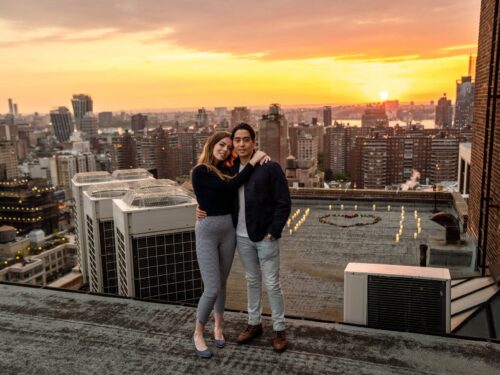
243,203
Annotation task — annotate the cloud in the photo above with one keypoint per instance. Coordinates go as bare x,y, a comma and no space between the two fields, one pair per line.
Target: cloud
273,30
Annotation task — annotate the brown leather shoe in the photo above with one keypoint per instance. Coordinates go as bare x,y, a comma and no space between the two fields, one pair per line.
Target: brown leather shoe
249,334
280,341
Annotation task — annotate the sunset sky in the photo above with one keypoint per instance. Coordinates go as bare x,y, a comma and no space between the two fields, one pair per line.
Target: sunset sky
159,54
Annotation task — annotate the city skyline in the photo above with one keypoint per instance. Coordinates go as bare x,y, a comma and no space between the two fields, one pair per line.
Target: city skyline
131,55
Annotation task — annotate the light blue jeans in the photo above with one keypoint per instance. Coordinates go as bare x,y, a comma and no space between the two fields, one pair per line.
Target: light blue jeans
262,258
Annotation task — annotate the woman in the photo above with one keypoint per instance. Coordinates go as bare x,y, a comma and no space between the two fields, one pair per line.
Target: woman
215,235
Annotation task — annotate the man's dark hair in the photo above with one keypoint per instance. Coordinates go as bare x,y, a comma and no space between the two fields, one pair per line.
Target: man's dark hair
243,126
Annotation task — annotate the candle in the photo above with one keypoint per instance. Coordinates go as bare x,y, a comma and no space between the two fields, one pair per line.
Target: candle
330,207
341,206
374,207
355,207
291,231
397,237
388,207
415,235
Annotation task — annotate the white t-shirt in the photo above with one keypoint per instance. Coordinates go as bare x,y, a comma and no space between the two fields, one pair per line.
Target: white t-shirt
241,228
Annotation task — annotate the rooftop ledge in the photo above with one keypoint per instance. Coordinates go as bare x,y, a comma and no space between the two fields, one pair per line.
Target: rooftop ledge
48,331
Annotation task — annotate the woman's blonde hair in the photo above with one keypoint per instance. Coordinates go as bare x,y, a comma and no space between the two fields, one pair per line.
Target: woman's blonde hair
208,159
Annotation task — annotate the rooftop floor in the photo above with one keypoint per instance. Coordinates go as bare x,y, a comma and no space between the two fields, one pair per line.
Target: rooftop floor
59,332
313,259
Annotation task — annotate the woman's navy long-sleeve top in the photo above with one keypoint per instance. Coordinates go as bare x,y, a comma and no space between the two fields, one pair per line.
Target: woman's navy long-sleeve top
214,195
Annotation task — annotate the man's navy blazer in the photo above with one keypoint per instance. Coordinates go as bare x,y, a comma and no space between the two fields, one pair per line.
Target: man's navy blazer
267,200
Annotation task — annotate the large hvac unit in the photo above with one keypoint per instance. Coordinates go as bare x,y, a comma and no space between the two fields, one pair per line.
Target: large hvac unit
401,298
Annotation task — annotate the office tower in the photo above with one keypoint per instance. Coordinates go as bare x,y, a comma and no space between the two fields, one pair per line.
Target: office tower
374,116
374,163
88,126
8,161
16,110
139,123
28,204
61,123
123,151
147,153
335,149
307,147
484,198
273,135
81,105
69,163
444,159
155,245
105,119
11,107
464,102
180,154
472,67
9,132
327,116
202,118
444,113
239,115
220,113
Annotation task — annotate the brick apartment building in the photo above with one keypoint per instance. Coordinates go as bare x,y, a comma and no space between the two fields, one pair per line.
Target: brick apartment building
484,199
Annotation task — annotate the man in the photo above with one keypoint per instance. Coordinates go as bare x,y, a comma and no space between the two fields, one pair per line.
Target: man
262,211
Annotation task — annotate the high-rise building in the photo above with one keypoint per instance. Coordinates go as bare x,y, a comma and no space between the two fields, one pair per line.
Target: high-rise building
464,166
62,123
374,116
181,154
69,163
139,122
307,147
155,245
11,107
444,113
105,119
374,163
123,152
327,115
28,204
81,105
484,197
273,135
464,102
335,149
89,126
472,67
444,159
8,161
239,115
202,118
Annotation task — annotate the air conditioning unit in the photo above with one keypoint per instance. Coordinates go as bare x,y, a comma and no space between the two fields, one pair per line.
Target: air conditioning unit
401,298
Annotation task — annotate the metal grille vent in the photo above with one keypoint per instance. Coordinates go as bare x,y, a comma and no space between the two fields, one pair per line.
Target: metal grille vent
407,304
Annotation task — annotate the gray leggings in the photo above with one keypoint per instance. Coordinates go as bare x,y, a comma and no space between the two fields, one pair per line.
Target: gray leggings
215,245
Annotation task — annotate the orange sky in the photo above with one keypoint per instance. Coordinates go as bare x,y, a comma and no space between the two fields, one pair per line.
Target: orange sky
145,54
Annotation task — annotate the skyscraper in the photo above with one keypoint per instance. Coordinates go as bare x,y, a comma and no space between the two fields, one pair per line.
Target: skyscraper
444,113
81,105
139,122
484,198
123,152
239,115
464,102
8,161
374,116
61,123
273,135
202,118
11,107
327,115
105,118
88,126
